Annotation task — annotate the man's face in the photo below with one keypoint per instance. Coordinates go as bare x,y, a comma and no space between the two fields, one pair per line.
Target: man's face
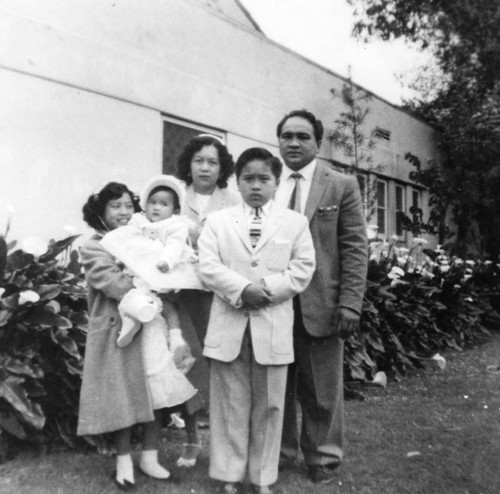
298,147
257,183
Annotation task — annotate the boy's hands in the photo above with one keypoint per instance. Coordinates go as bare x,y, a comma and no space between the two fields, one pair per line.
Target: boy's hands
256,296
163,266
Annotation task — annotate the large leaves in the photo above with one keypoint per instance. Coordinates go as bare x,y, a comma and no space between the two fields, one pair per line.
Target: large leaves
30,412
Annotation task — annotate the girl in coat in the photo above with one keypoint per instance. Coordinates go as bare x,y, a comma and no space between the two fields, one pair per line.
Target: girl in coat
115,393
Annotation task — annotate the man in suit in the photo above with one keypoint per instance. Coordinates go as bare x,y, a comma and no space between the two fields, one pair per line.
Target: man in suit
256,257
328,311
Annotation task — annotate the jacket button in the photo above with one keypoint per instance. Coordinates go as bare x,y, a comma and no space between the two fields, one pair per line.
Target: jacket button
246,314
254,264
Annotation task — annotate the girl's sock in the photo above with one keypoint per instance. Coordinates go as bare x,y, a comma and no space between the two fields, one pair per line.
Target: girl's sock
124,469
150,466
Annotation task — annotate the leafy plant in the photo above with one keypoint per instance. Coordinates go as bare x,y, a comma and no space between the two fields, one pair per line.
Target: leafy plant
419,301
43,321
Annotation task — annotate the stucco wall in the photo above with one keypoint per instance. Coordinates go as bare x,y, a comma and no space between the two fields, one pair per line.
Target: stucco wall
58,143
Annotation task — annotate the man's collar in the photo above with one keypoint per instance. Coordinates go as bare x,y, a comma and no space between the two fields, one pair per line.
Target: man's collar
307,171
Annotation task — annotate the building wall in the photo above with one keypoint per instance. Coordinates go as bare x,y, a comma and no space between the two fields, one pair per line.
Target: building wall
88,82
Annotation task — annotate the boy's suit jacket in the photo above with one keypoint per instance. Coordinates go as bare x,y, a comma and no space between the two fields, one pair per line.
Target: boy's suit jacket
283,260
338,228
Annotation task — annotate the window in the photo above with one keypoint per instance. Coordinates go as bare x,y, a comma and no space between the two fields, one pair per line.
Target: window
176,134
382,207
400,209
415,201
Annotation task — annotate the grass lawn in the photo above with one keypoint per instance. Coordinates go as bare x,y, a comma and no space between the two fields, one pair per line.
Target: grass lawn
437,432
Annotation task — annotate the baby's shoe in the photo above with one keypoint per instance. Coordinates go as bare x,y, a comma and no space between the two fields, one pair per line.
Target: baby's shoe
129,330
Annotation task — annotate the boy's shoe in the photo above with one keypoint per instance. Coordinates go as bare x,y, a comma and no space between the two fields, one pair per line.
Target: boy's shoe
323,474
261,489
233,488
129,329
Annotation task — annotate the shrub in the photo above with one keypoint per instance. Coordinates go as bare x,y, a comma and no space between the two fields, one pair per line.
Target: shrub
43,321
418,302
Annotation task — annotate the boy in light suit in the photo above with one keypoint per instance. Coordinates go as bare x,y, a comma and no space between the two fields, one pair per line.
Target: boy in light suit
255,256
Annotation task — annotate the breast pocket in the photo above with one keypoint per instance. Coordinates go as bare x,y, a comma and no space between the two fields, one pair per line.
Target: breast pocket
277,255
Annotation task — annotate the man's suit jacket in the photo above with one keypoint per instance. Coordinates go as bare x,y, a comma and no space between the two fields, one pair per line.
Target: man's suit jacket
283,260
336,220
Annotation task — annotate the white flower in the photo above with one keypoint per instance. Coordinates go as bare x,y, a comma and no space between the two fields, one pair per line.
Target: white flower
380,378
371,231
70,229
2,291
403,251
458,261
427,274
488,262
419,241
467,276
444,269
470,263
395,272
28,296
34,246
441,361
444,262
401,260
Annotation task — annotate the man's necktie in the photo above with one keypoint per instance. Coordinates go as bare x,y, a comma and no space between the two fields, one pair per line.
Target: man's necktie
295,198
255,227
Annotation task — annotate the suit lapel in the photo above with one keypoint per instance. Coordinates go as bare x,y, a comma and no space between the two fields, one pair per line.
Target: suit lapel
271,225
215,204
240,224
319,185
190,201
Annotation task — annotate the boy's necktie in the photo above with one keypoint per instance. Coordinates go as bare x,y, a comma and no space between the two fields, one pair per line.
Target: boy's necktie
255,227
295,198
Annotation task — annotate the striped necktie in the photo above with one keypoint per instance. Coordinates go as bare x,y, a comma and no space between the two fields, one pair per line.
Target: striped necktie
295,198
255,227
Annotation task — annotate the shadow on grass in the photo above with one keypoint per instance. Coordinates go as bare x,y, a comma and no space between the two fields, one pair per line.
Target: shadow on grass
436,432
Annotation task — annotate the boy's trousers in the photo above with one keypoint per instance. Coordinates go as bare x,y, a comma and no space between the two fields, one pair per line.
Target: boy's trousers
246,417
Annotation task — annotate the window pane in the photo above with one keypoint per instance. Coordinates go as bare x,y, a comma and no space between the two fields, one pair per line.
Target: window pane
381,194
415,198
400,210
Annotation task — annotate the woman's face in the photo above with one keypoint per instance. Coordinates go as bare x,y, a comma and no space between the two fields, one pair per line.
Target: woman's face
118,212
205,169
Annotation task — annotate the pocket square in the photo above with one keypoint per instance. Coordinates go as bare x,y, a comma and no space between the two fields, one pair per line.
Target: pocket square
328,209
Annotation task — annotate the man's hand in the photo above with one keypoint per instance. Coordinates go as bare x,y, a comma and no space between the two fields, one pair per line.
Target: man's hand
345,322
256,296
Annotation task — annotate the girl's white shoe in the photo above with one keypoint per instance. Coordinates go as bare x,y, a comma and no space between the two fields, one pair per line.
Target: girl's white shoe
150,466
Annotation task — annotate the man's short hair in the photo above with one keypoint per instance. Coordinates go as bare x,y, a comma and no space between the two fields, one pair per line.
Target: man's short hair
307,115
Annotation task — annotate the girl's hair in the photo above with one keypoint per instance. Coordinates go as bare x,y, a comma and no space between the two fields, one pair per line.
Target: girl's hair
93,210
164,188
195,145
260,154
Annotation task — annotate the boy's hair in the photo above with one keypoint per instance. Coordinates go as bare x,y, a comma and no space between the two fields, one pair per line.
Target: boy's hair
307,115
260,154
93,209
195,145
164,188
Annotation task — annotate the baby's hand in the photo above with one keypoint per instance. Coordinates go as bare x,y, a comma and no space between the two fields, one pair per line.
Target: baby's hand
163,266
